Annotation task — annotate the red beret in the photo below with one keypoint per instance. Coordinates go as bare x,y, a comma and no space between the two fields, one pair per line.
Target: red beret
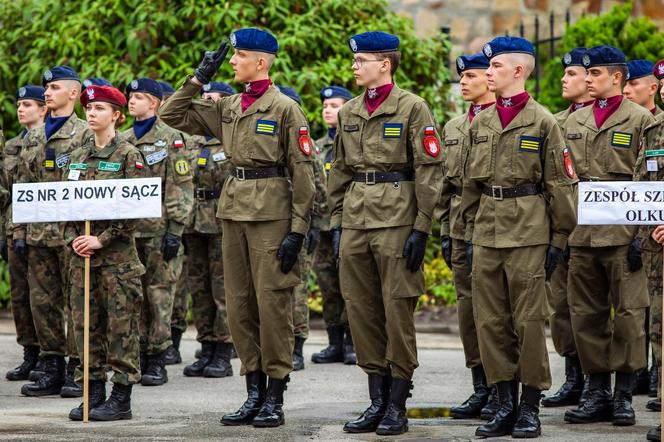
658,70
107,94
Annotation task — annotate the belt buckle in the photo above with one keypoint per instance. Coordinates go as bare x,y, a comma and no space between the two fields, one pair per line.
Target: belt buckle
499,195
370,181
239,173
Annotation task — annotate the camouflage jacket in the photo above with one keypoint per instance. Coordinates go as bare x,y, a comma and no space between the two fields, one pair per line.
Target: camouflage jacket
322,165
10,162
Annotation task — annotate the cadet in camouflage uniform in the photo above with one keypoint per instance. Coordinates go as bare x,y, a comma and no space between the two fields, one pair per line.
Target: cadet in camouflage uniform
475,90
204,270
574,89
31,110
159,241
518,209
340,341
115,270
384,183
44,154
265,206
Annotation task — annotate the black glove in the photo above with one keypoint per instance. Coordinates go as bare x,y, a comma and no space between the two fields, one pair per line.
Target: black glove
313,237
336,240
289,250
209,66
3,249
634,261
469,254
414,249
20,248
170,246
554,256
446,246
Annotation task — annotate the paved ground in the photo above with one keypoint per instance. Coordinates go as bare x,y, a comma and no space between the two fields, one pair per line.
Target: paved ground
319,400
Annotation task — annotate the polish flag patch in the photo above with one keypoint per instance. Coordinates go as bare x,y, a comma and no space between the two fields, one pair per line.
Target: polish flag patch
567,161
431,143
306,146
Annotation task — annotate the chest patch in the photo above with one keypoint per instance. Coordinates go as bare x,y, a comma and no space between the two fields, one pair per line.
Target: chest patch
156,157
105,166
392,130
219,156
621,139
530,144
451,142
62,160
266,127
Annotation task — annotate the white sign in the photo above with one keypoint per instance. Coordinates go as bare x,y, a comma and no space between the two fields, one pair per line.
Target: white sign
621,202
86,200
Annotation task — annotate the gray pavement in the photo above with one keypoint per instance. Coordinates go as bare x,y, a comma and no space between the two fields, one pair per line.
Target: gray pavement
319,400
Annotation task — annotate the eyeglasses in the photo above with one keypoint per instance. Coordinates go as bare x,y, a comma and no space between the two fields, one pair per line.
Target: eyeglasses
359,62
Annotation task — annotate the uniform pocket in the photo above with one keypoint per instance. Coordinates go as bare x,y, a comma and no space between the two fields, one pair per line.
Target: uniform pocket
401,282
270,275
351,137
535,306
265,141
481,157
620,157
455,160
634,288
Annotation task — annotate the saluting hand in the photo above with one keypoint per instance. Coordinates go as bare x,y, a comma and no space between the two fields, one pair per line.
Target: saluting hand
85,245
209,66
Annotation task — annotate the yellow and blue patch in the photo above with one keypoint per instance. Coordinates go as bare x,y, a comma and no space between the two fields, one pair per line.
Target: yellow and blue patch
621,139
266,127
530,144
392,130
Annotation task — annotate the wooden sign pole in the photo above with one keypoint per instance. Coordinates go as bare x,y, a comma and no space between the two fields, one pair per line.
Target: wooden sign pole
86,333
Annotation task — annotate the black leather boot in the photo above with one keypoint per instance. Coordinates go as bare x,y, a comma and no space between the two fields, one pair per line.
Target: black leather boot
256,381
586,390
570,392
144,362
172,354
71,388
492,405
654,380
116,407
394,420
503,422
655,433
472,408
156,373
527,424
598,406
379,392
298,355
37,372
220,364
96,398
271,413
623,413
641,382
30,358
334,351
198,367
350,358
52,380
654,404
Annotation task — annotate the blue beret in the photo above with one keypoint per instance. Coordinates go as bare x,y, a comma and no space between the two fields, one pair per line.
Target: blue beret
146,85
375,41
639,68
335,92
574,57
253,39
508,45
290,93
59,73
475,61
219,86
30,92
166,88
94,81
603,56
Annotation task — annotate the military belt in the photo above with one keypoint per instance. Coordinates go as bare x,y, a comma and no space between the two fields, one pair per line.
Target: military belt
500,192
242,173
373,177
206,194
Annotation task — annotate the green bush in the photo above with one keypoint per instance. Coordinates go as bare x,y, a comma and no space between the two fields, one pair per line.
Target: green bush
4,285
638,38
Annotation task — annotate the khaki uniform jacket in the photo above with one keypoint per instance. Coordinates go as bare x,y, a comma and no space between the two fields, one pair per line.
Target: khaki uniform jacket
267,134
605,154
390,140
456,146
163,149
529,151
42,161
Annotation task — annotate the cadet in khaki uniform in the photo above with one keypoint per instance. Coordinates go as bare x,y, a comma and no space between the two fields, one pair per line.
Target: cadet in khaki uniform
605,269
265,206
475,90
159,242
44,154
340,341
203,275
115,275
642,85
574,90
31,110
384,183
518,209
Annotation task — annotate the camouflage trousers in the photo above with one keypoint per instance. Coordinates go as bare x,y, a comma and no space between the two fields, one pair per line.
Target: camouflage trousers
327,273
652,261
115,308
182,291
26,335
159,283
204,280
301,296
49,300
